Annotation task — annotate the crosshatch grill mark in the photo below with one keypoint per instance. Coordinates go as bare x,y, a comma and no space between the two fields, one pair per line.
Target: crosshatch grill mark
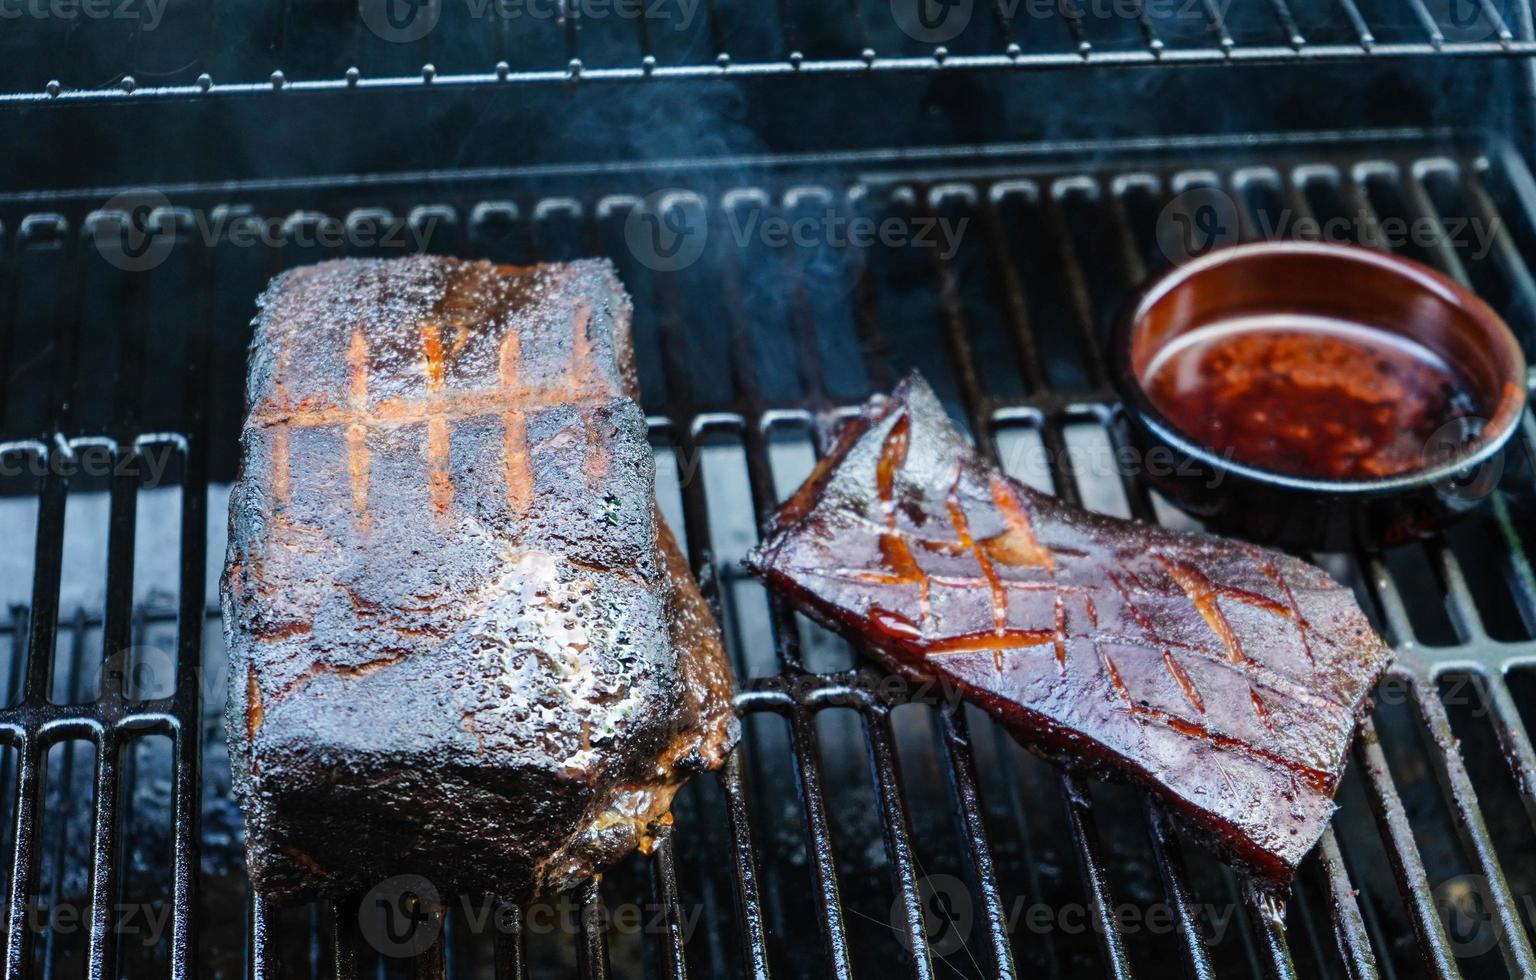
580,388
1024,550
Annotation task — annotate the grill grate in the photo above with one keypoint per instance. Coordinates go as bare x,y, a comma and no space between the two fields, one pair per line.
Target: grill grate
179,49
799,859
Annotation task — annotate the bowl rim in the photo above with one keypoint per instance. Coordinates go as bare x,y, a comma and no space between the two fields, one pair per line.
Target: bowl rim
1501,426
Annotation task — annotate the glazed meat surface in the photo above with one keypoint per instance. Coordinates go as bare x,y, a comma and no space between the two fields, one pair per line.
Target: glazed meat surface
462,642
1227,678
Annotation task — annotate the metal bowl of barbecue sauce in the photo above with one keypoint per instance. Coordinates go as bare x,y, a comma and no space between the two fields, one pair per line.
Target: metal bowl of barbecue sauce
1319,397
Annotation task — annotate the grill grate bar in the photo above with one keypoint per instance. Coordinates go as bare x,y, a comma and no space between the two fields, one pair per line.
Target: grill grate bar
1427,21
343,945
1288,22
104,876
33,745
117,638
749,904
1349,931
1085,838
1491,14
511,951
433,964
18,950
187,727
10,287
1462,608
1170,867
834,934
592,942
1149,30
43,613
1390,600
262,964
1357,21
898,842
957,338
664,889
1084,56
1266,912
962,771
866,312
1510,259
1403,854
1004,25
1452,772
1442,254
861,30
1509,728
1521,578
1081,303
66,774
1019,825
1006,266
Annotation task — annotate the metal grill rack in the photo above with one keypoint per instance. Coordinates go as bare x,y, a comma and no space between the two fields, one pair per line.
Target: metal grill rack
856,815
194,48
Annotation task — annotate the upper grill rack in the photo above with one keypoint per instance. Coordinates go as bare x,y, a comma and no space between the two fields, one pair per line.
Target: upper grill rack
1018,312
195,47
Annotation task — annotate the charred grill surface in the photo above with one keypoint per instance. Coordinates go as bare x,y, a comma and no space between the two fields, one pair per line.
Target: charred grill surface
1225,677
463,644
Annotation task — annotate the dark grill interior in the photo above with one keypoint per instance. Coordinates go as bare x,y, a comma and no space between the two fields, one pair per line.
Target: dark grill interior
182,47
860,815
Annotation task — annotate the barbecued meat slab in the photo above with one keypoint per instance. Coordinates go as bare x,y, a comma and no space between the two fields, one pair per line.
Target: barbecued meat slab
1227,678
462,642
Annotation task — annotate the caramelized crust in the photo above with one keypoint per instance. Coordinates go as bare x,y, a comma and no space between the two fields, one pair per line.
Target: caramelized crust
467,646
1226,678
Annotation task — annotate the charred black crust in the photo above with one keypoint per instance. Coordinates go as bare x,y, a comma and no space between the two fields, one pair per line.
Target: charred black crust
370,732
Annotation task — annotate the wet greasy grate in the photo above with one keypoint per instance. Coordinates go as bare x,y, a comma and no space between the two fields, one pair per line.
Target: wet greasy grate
50,49
864,827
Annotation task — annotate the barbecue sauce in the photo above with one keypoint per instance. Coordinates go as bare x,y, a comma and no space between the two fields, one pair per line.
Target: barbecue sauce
1307,396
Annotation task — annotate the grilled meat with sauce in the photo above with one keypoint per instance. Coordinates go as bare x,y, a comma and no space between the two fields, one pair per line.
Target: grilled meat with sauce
462,642
1226,678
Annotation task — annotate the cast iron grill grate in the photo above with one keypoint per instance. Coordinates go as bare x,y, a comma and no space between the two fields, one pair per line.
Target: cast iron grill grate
144,48
860,816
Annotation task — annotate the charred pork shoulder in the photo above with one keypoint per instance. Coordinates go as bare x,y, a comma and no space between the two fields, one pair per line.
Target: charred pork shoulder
462,642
